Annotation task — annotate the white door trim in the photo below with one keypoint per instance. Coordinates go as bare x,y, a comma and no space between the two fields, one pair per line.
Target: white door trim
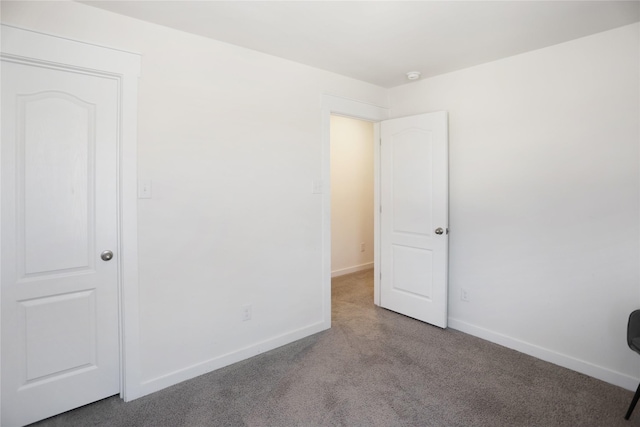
53,51
357,110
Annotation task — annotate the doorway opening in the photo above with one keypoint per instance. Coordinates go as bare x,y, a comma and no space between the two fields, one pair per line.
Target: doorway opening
352,206
347,109
410,156
351,195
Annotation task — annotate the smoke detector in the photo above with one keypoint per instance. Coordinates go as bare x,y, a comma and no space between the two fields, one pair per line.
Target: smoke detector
413,75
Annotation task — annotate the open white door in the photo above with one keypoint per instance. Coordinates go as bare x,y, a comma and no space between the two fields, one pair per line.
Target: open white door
414,216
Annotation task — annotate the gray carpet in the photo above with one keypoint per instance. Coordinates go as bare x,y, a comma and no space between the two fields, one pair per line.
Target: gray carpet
374,368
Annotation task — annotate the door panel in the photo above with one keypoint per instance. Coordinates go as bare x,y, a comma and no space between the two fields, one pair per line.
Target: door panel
60,333
410,151
55,148
414,199
411,270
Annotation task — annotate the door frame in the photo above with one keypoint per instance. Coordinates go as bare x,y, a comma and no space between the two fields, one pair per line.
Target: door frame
334,105
51,51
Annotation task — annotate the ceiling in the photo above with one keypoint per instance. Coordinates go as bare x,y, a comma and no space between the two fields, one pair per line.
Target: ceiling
380,41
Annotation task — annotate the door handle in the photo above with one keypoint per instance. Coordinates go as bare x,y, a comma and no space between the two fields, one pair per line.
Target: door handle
439,230
106,255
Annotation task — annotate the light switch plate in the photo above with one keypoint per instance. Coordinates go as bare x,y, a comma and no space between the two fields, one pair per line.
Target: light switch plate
317,186
144,189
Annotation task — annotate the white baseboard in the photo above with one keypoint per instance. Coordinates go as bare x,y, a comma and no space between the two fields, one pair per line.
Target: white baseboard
353,269
595,371
164,381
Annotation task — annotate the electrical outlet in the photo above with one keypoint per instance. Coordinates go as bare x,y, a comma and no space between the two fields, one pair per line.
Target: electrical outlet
246,312
464,295
362,247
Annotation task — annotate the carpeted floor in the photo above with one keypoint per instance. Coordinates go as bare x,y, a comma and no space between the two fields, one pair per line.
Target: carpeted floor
374,368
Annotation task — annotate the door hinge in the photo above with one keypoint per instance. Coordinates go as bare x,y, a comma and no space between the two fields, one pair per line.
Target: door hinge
380,208
380,141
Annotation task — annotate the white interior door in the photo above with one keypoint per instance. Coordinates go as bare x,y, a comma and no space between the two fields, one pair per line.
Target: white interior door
60,332
414,216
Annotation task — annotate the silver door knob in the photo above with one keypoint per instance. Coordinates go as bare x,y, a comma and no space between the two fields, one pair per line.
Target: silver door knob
106,255
439,230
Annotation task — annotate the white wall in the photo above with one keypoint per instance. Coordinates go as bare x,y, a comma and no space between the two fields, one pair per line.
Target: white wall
544,188
351,195
231,140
